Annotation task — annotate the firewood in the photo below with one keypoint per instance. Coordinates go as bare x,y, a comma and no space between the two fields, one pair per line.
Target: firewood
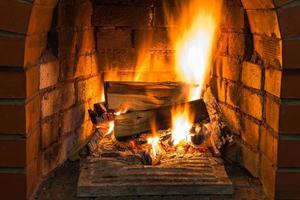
133,123
100,109
139,96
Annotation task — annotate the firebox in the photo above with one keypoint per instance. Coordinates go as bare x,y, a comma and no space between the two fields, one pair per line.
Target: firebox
158,87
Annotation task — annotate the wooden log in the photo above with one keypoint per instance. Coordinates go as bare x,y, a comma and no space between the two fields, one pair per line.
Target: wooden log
139,96
135,122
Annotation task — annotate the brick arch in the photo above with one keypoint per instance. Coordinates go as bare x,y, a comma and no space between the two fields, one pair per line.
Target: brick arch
23,34
273,24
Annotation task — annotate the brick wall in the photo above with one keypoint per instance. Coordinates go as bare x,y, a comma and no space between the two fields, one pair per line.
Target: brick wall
254,80
130,34
48,81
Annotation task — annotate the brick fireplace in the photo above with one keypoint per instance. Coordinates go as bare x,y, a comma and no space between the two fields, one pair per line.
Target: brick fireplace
55,56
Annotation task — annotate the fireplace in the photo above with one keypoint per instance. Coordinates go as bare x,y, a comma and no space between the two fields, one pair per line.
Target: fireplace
56,56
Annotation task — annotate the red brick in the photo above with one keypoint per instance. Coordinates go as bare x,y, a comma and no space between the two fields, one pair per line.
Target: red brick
68,97
232,94
258,4
15,16
13,186
264,22
267,176
269,49
290,56
90,90
282,2
250,132
228,68
122,60
112,15
287,184
72,42
52,158
33,147
40,19
290,84
237,44
49,74
250,160
82,66
153,38
223,43
34,46
251,103
269,144
234,18
34,177
289,118
219,89
12,83
252,75
289,20
232,117
50,131
12,49
74,14
114,38
273,81
12,152
272,113
13,118
32,81
33,113
51,103
18,151
288,152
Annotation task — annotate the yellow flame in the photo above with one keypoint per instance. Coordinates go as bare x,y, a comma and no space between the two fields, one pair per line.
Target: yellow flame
182,122
154,142
111,126
193,42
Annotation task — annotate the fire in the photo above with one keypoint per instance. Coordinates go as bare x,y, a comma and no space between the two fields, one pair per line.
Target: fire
154,140
193,43
182,122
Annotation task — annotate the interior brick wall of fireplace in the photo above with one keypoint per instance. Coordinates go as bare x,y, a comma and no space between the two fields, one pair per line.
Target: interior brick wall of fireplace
53,55
254,79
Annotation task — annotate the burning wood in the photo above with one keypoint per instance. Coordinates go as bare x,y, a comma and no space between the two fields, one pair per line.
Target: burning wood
133,123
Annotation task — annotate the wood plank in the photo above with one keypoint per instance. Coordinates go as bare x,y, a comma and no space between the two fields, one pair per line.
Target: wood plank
144,96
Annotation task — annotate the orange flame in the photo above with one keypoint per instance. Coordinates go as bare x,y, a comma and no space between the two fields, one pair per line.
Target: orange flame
194,40
182,122
154,140
193,44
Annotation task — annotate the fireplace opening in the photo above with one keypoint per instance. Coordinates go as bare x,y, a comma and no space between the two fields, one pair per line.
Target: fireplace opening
160,112
164,92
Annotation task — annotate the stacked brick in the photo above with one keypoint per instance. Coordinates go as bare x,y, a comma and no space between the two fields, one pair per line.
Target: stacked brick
133,33
255,81
45,92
